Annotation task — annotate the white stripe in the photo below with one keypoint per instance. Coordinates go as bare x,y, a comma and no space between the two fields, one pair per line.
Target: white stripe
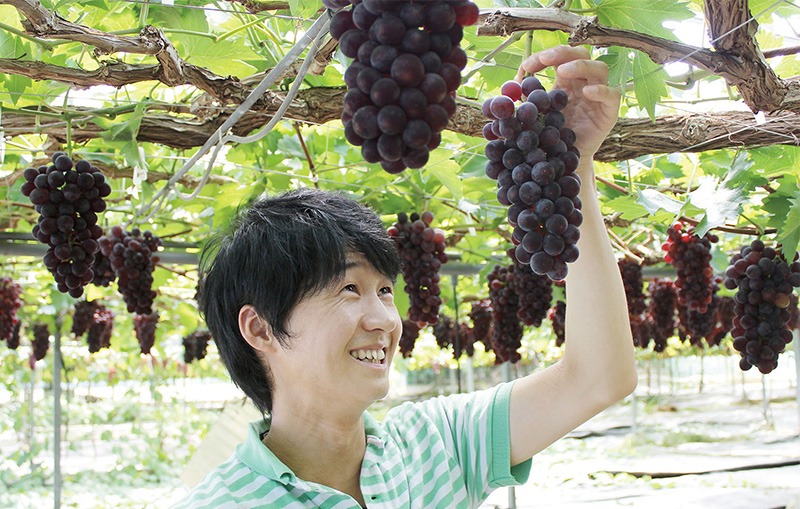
218,476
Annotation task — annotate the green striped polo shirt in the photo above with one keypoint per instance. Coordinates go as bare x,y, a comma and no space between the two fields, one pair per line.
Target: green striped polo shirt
446,452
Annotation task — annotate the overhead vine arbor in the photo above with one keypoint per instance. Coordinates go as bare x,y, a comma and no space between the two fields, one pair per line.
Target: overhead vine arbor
709,128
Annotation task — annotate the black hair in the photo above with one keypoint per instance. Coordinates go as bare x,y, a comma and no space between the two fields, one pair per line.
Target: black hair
276,252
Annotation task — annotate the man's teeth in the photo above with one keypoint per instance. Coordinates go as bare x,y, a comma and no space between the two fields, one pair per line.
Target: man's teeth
373,356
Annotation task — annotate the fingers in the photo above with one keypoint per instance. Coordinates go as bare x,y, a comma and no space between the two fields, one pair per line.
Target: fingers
553,57
609,98
593,71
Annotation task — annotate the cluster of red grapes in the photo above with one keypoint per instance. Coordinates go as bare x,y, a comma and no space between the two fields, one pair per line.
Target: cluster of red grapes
40,344
68,200
133,259
661,312
99,334
145,328
697,325
94,320
9,305
724,322
13,340
534,165
535,294
765,282
691,257
633,282
103,273
558,315
445,333
195,345
408,338
506,325
481,315
421,255
407,65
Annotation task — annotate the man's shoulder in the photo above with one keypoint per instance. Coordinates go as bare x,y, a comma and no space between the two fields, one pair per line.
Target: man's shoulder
226,484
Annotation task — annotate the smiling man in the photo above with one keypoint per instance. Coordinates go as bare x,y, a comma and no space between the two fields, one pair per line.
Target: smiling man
299,299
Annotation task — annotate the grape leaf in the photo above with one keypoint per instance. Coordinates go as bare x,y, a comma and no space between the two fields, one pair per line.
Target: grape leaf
619,65
628,206
305,8
789,235
447,173
648,83
720,204
644,17
653,201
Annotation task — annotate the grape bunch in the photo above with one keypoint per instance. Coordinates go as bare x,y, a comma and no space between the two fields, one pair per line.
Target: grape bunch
408,338
9,305
633,283
535,294
401,84
534,164
661,311
765,281
40,344
445,333
794,313
195,345
724,322
99,334
13,340
68,198
421,256
83,316
506,325
691,257
145,328
103,273
133,258
481,316
558,316
697,325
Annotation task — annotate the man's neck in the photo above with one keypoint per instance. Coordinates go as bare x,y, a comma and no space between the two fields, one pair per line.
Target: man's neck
323,449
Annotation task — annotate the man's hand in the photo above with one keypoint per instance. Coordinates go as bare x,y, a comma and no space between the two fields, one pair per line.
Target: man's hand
593,106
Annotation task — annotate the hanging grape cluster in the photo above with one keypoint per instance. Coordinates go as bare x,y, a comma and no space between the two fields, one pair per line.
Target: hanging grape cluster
445,333
406,67
558,316
697,325
68,200
195,345
633,282
99,334
13,340
724,320
421,256
145,328
794,313
535,294
691,257
408,338
481,315
534,164
764,281
40,343
10,303
133,258
506,325
103,273
82,316
661,312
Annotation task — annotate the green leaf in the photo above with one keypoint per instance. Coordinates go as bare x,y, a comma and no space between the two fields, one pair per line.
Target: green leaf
789,235
719,203
653,201
644,17
447,172
305,8
619,65
778,203
628,206
648,83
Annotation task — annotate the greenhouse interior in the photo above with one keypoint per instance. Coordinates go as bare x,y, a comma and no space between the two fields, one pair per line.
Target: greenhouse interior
135,134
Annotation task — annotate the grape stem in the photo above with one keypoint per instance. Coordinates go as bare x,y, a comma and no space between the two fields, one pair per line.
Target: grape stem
311,167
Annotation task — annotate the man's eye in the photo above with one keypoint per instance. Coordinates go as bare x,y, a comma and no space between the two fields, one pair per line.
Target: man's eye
387,290
349,288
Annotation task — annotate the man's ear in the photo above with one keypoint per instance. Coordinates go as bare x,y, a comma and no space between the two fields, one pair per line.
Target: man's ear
255,330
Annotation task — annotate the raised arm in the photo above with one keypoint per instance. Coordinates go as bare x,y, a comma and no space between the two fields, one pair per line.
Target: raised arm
597,368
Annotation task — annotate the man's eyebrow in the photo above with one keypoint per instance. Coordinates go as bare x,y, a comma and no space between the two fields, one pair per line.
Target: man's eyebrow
354,263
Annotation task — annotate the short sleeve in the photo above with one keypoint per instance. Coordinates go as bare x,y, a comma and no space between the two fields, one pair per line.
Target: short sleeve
475,427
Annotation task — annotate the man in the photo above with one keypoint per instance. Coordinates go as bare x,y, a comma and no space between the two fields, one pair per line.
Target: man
300,302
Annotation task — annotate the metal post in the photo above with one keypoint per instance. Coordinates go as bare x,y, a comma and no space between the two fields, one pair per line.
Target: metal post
30,417
764,399
457,345
57,413
512,494
796,341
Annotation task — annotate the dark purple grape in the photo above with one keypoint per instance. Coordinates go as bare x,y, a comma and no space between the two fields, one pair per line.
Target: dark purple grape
350,41
392,119
433,87
384,91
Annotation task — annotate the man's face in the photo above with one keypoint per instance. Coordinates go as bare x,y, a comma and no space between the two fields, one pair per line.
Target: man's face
342,341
